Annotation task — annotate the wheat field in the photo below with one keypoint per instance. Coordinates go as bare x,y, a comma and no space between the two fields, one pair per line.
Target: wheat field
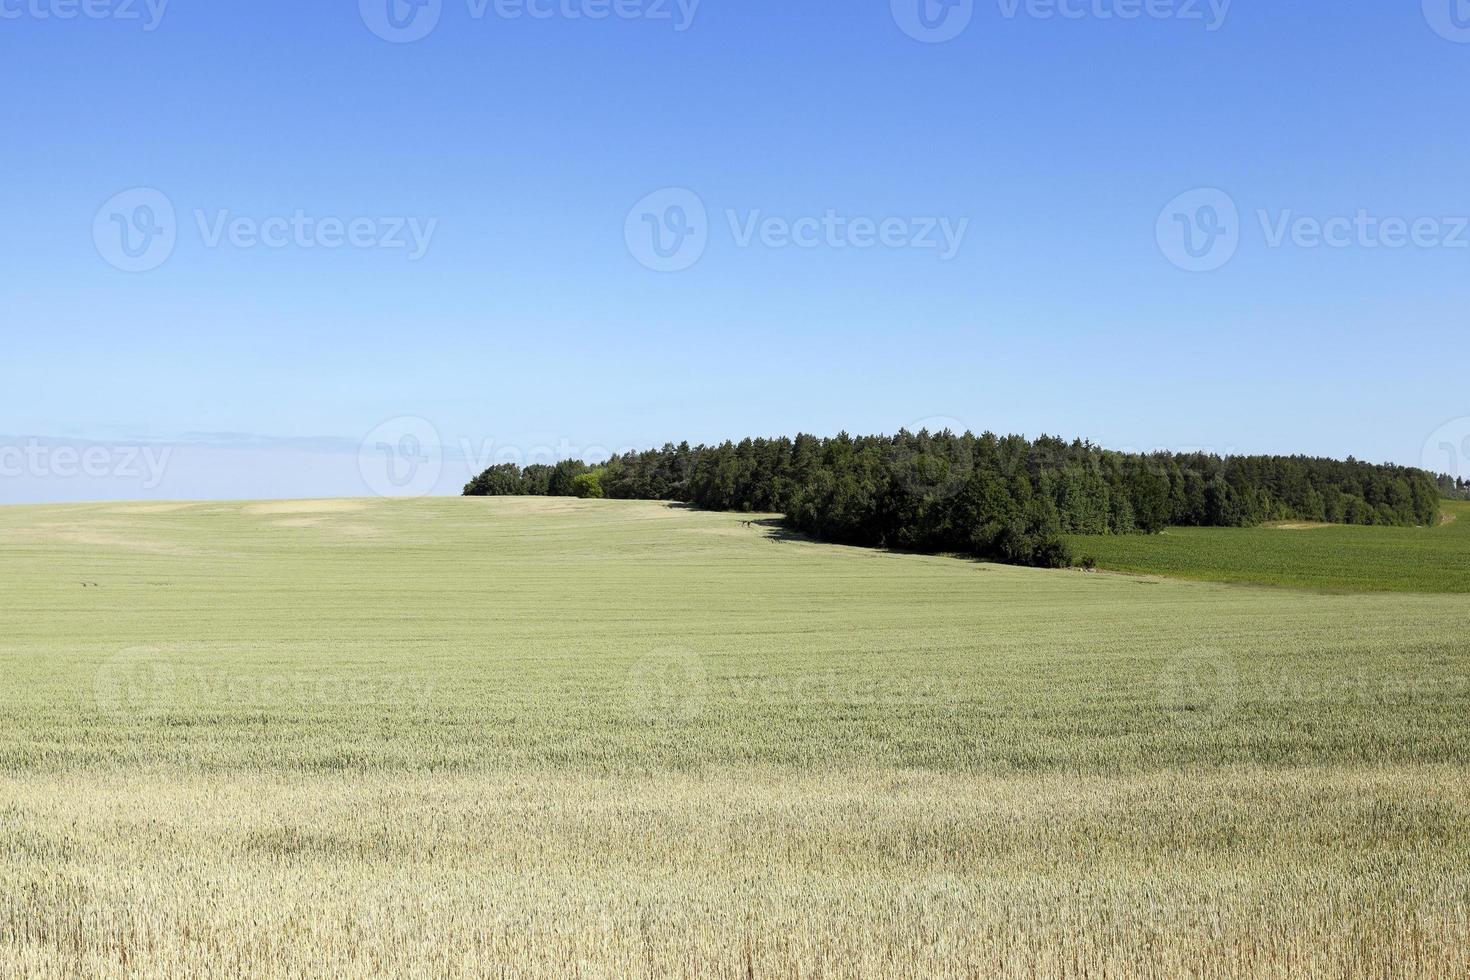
554,738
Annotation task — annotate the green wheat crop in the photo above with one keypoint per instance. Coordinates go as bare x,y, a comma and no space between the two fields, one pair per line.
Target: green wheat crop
556,738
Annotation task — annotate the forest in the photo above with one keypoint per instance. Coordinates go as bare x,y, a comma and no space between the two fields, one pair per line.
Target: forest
1001,498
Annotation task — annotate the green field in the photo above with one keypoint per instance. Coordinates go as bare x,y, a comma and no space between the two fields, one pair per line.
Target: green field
549,737
1307,556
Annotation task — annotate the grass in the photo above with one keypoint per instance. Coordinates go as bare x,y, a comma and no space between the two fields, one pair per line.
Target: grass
563,738
1308,556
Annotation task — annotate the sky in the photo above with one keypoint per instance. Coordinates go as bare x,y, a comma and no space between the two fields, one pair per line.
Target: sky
342,248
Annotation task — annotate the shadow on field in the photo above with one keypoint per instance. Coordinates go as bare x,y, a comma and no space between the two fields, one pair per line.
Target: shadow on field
775,528
776,531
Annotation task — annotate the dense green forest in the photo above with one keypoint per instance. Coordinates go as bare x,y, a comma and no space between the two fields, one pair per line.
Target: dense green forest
1003,498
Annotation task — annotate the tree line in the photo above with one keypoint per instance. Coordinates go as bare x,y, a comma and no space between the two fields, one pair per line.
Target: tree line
1453,487
1004,498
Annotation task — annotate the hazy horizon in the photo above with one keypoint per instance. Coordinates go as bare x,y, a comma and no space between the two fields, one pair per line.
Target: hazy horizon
239,466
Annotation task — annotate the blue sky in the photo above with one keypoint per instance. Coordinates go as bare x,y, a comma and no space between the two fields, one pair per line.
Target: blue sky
527,317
